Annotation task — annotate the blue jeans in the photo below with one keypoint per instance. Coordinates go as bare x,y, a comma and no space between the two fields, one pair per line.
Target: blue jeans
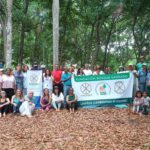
16,108
142,87
66,92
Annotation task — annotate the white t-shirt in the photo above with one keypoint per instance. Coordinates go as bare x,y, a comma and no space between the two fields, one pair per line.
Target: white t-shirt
146,101
87,72
101,72
56,98
47,83
8,82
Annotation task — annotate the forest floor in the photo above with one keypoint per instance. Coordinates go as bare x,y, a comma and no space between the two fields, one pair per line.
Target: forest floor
86,129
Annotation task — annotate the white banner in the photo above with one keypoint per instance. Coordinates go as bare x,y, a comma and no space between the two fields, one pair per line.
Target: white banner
34,82
102,87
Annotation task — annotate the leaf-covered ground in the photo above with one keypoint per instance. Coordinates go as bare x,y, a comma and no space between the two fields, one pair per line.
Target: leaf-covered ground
92,129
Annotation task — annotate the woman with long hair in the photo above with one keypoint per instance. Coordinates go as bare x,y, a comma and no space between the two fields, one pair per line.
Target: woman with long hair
17,100
47,81
4,103
57,98
46,100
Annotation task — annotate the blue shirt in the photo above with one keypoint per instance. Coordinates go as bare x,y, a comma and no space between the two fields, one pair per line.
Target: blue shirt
19,80
142,76
66,76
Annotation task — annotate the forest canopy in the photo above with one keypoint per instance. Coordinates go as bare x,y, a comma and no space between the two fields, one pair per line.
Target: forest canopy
105,32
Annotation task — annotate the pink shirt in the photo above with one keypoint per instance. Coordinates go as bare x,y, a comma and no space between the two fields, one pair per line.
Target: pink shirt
8,82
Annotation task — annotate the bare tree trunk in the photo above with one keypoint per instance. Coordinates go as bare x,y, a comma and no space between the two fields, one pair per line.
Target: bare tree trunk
8,34
55,32
22,35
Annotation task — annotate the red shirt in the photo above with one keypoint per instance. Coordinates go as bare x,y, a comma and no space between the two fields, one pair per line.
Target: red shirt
56,76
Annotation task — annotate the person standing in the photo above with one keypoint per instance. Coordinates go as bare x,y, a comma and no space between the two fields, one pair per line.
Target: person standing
139,65
47,81
1,78
148,81
86,70
19,77
142,78
66,80
8,83
25,69
56,75
99,71
134,73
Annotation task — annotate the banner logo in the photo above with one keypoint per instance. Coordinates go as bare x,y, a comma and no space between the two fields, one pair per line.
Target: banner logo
119,87
86,88
103,89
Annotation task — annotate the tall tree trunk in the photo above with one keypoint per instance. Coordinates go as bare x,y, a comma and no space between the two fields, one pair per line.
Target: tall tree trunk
97,48
55,32
22,35
8,34
107,42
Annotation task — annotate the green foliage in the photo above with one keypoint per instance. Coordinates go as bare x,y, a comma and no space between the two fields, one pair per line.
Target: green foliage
106,32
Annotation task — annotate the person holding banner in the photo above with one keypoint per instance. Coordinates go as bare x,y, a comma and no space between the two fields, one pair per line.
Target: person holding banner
57,98
27,107
86,70
71,100
66,79
45,100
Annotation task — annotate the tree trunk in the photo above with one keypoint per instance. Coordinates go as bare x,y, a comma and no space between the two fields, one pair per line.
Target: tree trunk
55,32
97,48
22,35
8,34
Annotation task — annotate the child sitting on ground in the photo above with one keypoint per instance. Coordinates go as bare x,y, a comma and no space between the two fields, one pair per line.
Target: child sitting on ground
138,102
146,101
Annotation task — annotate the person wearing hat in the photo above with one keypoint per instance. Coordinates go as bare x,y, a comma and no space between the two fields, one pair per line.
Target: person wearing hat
57,98
139,65
142,78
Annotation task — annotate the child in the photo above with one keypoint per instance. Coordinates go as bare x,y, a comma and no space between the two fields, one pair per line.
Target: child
138,101
146,101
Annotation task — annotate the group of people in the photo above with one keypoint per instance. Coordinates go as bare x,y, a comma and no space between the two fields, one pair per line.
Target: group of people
57,87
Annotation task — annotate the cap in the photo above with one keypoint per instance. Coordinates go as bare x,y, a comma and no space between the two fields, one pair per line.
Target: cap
144,64
130,64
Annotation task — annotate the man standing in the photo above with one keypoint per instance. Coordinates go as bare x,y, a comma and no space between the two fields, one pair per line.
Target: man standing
66,79
19,77
86,70
134,73
139,65
56,76
142,78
